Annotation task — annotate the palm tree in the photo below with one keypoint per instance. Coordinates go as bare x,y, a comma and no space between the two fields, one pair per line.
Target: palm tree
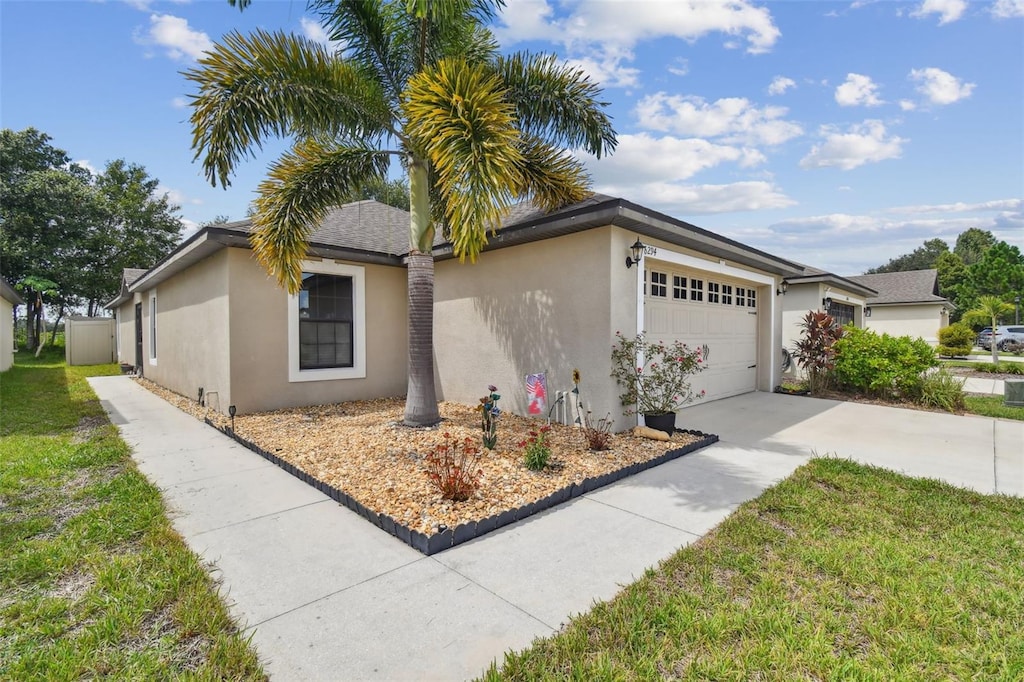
989,308
416,80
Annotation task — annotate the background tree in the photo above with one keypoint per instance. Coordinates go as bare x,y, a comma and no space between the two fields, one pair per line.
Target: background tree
922,258
418,81
394,192
972,243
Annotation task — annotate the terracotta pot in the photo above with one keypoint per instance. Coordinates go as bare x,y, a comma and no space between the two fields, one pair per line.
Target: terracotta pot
662,422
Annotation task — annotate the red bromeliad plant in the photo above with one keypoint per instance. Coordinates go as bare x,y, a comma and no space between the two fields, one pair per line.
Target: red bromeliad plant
815,351
452,468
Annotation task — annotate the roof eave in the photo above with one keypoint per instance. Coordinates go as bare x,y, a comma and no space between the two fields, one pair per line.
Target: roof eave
829,278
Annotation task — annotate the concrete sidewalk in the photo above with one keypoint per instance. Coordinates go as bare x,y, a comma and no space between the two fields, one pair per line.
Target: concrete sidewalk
980,385
329,597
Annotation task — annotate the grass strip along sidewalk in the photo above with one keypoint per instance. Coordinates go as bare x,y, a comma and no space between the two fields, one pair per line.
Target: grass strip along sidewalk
93,580
841,572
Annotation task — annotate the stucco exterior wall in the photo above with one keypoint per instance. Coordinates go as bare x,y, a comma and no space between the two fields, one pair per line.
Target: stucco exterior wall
921,320
802,297
125,316
548,306
6,334
193,340
259,337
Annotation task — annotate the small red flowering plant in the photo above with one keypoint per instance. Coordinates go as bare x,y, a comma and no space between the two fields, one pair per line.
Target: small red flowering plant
655,376
536,451
453,468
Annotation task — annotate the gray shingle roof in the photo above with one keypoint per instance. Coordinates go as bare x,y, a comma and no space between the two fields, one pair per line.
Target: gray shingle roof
132,274
914,286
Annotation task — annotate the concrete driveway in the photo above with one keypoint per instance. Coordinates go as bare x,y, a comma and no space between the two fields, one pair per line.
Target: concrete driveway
328,597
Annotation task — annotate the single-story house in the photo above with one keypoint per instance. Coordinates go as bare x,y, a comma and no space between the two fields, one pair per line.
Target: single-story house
9,300
821,291
548,294
907,304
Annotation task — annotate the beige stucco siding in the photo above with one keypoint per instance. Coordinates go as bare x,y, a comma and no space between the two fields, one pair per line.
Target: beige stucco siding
6,334
921,320
259,334
125,315
803,297
541,307
192,331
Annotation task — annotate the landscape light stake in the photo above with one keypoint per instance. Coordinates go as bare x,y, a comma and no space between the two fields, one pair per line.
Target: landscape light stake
231,413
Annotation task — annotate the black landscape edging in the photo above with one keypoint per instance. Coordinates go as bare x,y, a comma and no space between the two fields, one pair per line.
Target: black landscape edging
447,538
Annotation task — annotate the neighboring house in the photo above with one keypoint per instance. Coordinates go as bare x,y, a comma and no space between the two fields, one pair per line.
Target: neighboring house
547,295
9,300
907,304
821,291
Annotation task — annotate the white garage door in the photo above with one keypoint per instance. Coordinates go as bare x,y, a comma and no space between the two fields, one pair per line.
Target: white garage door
704,310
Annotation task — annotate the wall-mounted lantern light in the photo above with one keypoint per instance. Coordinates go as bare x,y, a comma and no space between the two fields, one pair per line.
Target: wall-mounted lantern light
867,311
637,251
827,302
781,290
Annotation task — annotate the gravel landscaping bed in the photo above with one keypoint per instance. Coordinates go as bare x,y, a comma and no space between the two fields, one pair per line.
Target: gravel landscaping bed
361,448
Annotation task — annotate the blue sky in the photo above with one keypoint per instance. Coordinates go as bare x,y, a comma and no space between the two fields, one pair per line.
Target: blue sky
839,134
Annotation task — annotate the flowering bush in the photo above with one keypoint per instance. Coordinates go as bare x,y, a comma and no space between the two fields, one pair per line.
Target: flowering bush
661,384
489,413
452,468
536,451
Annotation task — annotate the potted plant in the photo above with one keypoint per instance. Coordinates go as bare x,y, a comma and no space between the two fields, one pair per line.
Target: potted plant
656,378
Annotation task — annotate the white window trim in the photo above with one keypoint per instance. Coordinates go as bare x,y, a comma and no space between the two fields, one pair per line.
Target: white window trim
358,368
153,348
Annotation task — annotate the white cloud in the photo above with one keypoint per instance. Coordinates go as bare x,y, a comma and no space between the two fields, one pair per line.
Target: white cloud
858,90
733,119
626,25
175,35
642,158
315,32
780,84
175,196
940,87
682,200
867,142
85,163
179,102
948,10
907,105
607,67
1008,9
679,66
962,207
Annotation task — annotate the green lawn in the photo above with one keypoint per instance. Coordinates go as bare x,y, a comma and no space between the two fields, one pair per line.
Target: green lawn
841,572
94,582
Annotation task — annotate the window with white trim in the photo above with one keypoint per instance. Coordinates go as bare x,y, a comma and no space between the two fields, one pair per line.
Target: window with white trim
659,284
726,294
327,323
696,289
152,328
713,290
678,288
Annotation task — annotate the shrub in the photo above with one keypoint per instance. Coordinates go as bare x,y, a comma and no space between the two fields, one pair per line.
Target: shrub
999,367
662,384
536,451
956,339
885,366
815,351
942,390
452,468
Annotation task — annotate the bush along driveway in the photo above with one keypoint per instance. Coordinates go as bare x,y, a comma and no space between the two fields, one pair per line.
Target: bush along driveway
93,580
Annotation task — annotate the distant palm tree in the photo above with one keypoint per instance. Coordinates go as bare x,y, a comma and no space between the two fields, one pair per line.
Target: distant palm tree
419,80
989,308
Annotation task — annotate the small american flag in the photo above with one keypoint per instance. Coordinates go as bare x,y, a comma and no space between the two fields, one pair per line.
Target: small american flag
537,393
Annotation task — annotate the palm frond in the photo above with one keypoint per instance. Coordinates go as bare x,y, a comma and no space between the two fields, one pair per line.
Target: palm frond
552,177
274,85
299,190
457,115
557,102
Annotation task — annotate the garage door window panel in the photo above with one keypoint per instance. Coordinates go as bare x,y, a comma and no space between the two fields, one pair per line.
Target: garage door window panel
713,292
659,284
678,288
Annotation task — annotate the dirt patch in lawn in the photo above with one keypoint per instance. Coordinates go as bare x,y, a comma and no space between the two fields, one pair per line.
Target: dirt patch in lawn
362,449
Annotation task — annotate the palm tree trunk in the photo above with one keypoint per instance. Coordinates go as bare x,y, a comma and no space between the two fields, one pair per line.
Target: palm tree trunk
421,396
421,399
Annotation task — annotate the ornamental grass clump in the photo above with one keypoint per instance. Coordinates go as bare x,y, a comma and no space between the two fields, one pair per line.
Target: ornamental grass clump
489,413
536,451
598,434
661,384
452,468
